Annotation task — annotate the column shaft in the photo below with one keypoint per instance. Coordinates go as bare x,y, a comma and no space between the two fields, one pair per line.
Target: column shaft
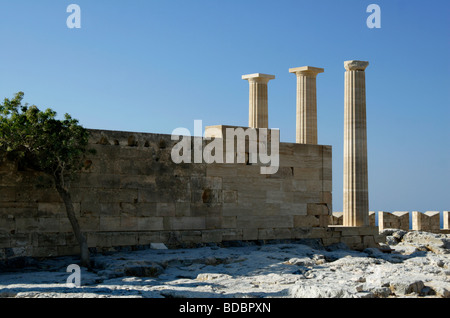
258,116
258,105
356,201
306,117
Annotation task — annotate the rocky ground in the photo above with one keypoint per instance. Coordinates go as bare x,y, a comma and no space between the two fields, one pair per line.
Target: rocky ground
417,265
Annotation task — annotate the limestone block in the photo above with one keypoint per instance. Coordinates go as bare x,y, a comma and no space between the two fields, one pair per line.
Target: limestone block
337,218
372,218
296,209
182,209
187,223
221,170
301,232
306,221
250,234
351,241
108,223
90,180
44,251
233,209
326,174
139,209
251,195
231,235
5,240
326,241
70,238
45,225
147,237
137,182
128,223
394,220
213,183
255,182
165,209
434,220
230,196
307,173
87,224
148,195
282,234
55,209
51,239
327,185
7,224
293,185
68,250
113,196
307,197
428,221
244,221
354,230
446,223
124,239
266,234
100,209
317,209
306,150
18,209
25,239
191,236
327,197
282,173
213,222
279,197
229,222
212,236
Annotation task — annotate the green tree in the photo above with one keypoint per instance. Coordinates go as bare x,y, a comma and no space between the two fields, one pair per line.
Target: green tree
43,143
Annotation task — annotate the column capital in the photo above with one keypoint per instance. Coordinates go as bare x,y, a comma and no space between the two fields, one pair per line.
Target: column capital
258,77
354,65
306,70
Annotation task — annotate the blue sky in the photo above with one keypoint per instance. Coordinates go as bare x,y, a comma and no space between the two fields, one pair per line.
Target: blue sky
153,66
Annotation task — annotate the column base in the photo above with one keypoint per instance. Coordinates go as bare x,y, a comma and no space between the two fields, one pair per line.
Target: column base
357,237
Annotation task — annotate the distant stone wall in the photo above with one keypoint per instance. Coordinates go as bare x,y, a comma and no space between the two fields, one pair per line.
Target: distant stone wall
130,193
337,218
428,221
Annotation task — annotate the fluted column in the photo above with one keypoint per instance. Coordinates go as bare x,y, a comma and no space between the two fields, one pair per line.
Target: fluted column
356,201
306,132
258,99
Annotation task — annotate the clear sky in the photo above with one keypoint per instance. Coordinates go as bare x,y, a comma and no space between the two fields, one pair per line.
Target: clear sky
155,65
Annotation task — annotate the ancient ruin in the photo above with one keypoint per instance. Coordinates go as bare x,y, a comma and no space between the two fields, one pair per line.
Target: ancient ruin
131,194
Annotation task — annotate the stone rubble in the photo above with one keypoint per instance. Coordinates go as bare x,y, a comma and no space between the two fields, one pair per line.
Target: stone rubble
414,264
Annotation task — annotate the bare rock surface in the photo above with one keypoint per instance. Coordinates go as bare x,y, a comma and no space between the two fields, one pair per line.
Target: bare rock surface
417,264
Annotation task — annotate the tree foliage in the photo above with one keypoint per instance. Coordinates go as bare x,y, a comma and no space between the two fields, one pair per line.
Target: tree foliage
37,140
45,143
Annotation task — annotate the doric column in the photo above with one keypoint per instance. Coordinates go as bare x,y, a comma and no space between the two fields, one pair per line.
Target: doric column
306,104
258,102
356,201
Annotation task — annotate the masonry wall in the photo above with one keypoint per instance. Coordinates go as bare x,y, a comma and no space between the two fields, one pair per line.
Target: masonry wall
428,221
130,193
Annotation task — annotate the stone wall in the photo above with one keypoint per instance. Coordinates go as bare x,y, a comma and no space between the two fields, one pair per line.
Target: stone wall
337,218
428,221
130,193
394,220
